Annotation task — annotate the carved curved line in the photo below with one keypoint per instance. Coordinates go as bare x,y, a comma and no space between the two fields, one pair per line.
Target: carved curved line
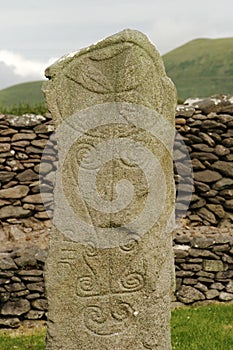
105,322
121,49
133,281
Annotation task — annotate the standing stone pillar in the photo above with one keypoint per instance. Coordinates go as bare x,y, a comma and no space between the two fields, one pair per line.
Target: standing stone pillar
109,272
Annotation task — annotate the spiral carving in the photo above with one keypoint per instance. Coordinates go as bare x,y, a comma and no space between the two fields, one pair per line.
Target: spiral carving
96,314
121,311
133,281
90,249
107,319
86,283
114,173
130,245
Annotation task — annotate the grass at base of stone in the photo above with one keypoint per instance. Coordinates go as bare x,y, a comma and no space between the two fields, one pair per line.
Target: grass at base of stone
23,338
202,328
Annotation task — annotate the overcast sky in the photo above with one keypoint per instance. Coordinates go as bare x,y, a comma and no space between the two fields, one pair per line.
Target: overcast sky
33,33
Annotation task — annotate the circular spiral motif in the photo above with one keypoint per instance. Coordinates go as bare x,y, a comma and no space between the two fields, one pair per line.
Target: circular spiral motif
115,165
96,314
86,283
90,250
130,245
121,311
133,281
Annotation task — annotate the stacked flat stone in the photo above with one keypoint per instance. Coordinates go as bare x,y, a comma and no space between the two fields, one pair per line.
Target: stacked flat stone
22,141
204,274
22,286
204,266
206,127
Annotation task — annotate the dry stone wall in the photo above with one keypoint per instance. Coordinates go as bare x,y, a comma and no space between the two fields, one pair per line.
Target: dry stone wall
203,256
22,286
22,141
204,265
205,126
204,271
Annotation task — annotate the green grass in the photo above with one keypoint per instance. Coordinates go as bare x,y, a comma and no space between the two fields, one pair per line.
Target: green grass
22,95
21,109
30,341
202,67
203,328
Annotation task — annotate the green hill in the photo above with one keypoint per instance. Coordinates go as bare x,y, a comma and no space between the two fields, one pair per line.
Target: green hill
202,67
23,94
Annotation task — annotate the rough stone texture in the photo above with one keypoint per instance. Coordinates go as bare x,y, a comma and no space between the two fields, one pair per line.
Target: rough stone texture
214,280
188,294
117,297
20,167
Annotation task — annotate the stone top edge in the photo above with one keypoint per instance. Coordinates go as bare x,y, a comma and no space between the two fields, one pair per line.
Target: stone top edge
130,36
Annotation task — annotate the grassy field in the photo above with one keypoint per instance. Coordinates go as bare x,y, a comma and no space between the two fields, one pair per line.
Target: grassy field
202,67
22,94
203,328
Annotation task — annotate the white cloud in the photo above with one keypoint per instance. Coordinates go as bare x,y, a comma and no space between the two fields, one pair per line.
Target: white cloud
23,67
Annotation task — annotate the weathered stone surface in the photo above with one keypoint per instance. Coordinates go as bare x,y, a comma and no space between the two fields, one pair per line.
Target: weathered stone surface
6,175
25,120
211,294
220,150
204,156
229,204
16,212
229,287
225,168
4,147
226,296
207,176
213,265
14,192
201,186
15,308
188,294
27,175
34,198
201,287
40,143
223,183
7,263
23,136
119,303
207,215
218,103
217,285
35,314
40,304
228,194
217,209
12,322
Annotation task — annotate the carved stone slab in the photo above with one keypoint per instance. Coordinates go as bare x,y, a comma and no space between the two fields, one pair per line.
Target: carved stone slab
109,273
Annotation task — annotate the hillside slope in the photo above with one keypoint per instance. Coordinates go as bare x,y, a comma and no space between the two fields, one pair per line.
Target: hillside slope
24,94
202,67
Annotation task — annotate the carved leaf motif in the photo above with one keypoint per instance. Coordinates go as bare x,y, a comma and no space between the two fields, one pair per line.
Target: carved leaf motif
91,78
109,52
132,75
